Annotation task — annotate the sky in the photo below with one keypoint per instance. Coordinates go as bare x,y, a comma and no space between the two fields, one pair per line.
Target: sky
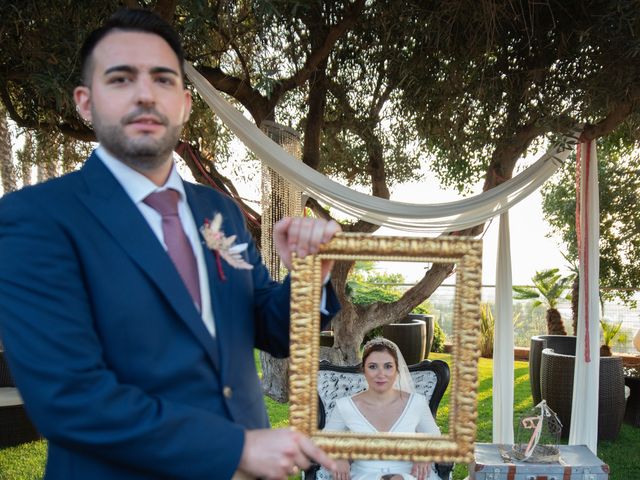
531,249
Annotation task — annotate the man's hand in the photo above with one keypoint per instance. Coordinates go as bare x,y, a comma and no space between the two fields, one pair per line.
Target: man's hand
342,470
303,235
421,470
276,454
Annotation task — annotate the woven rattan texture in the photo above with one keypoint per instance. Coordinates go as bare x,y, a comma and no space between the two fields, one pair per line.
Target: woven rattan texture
556,385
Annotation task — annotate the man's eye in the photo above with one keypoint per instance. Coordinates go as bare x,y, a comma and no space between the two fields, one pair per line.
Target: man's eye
165,80
118,80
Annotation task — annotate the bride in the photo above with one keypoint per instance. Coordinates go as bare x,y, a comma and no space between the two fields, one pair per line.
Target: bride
389,405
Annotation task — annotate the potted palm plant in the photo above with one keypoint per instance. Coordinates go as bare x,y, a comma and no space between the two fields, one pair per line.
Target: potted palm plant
611,333
548,290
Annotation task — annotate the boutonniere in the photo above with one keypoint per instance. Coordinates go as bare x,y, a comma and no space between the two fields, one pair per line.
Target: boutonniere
223,246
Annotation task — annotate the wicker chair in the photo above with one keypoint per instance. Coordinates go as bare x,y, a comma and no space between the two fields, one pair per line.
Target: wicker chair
431,378
556,384
15,426
563,344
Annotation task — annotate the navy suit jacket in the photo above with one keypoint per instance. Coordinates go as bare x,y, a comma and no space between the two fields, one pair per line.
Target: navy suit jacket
113,360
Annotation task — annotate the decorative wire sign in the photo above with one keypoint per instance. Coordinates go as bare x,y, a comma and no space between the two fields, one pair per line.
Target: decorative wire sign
538,436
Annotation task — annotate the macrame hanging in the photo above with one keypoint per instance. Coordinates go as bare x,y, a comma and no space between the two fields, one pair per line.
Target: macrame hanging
279,197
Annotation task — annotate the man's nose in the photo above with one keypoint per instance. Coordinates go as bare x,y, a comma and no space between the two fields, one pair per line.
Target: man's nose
145,94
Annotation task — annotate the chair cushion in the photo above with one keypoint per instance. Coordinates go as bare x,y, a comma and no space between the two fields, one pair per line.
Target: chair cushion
9,397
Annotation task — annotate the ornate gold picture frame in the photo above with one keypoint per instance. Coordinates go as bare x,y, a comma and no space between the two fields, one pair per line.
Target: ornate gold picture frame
458,443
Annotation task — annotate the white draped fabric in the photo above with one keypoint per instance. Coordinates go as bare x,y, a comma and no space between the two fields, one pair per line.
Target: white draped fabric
441,217
452,216
503,341
584,409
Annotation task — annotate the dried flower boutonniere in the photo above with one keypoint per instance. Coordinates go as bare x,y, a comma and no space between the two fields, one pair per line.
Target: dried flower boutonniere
223,246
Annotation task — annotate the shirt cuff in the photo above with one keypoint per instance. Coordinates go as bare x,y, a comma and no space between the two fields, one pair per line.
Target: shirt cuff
323,298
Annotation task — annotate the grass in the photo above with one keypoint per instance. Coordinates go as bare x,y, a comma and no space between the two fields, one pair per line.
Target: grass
26,462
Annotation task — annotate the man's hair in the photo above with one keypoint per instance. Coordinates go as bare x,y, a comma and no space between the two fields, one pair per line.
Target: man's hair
128,20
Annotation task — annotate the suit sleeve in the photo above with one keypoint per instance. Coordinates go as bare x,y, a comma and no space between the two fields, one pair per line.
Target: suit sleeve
56,357
272,299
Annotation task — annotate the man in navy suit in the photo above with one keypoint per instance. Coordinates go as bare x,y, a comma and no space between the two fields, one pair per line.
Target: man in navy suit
128,368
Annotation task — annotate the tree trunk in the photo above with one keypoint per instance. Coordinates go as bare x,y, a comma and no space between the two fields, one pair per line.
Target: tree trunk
605,351
554,323
275,377
7,170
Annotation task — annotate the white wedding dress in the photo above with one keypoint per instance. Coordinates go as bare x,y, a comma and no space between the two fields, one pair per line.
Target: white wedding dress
416,417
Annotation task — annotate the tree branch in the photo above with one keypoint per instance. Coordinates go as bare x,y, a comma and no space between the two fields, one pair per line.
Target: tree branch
85,134
614,118
259,107
165,9
321,53
314,124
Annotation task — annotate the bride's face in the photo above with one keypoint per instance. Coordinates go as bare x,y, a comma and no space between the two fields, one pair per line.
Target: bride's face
380,371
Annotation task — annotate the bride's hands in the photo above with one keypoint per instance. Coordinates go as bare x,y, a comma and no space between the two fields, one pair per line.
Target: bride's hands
421,470
342,471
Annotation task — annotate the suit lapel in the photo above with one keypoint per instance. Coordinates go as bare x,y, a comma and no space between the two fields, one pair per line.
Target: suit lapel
221,292
113,208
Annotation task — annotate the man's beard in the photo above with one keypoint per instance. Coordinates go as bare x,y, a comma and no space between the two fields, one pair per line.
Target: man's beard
142,153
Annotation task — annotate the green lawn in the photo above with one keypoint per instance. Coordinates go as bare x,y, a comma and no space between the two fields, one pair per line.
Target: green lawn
26,462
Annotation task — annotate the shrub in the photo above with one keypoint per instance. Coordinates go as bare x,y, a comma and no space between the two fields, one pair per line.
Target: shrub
487,324
439,337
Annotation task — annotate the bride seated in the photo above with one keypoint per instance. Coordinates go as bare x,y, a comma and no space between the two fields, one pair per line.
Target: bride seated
389,405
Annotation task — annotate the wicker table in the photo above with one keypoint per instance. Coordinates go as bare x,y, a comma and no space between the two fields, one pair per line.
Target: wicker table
632,380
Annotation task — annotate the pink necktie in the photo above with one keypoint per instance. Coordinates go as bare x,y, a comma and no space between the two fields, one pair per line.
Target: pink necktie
178,246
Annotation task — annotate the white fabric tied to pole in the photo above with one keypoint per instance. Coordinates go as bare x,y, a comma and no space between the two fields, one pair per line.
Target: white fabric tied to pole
586,379
503,341
441,217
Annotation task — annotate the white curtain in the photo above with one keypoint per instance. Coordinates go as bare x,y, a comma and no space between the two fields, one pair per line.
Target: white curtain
503,341
584,408
441,217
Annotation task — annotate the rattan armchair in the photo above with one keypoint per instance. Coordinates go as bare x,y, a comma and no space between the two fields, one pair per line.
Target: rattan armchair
556,384
15,426
564,344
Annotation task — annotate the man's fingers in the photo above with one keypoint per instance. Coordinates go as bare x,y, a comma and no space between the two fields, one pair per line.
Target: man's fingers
332,227
316,454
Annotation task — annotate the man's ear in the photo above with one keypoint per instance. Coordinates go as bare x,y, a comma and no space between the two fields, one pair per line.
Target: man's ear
187,106
82,97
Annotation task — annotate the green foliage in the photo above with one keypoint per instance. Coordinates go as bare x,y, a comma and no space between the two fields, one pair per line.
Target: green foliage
365,286
619,196
487,330
23,462
439,338
612,334
548,288
527,322
386,93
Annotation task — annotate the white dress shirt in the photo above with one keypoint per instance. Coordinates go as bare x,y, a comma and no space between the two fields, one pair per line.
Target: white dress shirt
138,187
